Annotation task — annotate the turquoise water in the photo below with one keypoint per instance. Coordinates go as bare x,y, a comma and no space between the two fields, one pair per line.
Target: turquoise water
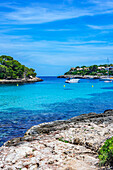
29,104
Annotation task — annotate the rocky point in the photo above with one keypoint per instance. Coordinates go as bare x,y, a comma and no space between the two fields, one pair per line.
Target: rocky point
61,145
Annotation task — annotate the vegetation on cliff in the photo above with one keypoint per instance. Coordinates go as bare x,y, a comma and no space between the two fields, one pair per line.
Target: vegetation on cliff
106,153
12,69
91,70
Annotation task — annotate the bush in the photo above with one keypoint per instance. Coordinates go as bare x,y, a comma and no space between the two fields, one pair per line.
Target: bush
106,153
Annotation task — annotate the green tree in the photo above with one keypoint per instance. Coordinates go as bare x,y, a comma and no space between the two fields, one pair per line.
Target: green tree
10,68
93,68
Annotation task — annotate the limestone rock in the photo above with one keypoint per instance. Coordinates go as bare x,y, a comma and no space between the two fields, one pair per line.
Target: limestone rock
70,144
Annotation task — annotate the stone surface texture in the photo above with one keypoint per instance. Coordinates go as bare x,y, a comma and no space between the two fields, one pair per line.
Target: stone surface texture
61,145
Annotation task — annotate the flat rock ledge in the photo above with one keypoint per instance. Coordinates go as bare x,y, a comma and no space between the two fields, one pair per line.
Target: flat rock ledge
61,145
35,79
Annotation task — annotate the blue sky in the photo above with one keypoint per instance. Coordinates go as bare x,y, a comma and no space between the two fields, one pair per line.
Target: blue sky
51,36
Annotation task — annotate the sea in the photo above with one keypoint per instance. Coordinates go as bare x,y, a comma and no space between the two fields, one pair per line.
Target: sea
26,105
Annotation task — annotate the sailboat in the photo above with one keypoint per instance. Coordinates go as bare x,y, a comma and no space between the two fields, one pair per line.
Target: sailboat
107,79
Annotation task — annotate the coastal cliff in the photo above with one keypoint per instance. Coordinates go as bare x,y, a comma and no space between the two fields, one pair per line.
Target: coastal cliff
70,144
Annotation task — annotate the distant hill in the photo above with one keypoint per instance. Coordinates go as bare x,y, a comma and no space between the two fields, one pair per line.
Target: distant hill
99,70
12,69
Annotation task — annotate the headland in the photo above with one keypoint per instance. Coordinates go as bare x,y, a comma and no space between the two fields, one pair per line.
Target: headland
28,80
90,72
12,71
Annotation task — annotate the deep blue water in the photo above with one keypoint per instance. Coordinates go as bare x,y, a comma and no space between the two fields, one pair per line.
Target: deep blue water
29,104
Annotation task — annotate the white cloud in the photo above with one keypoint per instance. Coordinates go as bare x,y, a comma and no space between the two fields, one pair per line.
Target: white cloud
9,29
54,52
37,14
104,4
41,13
30,51
105,27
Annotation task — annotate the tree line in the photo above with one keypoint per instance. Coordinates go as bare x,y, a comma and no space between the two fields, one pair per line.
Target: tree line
91,70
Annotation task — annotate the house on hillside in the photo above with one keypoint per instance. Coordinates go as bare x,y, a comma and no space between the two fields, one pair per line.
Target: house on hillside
86,68
101,68
72,68
78,69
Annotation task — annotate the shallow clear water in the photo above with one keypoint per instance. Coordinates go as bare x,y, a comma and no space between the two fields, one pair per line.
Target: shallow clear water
29,104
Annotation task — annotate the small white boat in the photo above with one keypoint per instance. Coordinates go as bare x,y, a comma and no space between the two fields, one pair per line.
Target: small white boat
72,80
108,81
107,78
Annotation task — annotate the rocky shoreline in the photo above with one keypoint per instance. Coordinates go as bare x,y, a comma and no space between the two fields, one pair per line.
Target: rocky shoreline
60,145
81,77
35,79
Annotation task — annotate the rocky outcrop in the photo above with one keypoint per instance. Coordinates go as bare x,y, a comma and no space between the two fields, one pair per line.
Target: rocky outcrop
35,79
70,76
106,117
72,144
79,76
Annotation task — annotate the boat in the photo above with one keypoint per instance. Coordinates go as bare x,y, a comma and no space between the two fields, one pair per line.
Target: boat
107,78
72,80
108,81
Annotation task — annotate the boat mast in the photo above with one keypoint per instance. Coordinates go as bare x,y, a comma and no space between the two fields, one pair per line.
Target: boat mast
108,66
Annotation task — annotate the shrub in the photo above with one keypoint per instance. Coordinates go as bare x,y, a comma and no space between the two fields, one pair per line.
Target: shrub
106,153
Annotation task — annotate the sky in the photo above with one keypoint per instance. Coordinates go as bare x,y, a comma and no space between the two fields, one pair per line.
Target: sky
52,36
